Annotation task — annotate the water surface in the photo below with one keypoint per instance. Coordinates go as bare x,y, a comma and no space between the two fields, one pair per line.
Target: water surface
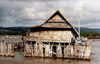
19,59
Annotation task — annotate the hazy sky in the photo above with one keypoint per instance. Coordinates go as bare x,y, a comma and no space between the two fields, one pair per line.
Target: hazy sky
35,12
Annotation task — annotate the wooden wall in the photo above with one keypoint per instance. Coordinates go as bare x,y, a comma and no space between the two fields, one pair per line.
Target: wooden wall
50,36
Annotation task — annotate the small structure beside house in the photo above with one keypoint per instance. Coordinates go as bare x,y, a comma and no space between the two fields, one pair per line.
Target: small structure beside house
8,44
55,38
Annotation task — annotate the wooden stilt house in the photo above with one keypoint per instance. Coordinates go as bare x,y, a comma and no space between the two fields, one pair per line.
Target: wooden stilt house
54,38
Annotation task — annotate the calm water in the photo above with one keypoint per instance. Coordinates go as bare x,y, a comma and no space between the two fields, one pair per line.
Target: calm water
19,59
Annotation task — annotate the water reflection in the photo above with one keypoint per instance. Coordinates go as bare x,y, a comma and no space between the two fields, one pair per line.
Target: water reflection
19,59
57,61
29,60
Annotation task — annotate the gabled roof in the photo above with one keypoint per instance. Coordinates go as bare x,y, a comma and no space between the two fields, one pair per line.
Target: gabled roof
57,21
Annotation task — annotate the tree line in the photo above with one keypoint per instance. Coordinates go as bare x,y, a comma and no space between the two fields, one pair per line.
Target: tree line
9,32
83,34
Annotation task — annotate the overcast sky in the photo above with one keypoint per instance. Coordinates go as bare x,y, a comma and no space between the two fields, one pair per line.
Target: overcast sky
35,12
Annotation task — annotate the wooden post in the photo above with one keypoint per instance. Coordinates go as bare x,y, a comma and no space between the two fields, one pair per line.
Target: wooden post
10,49
36,49
2,48
59,51
47,50
68,52
28,49
50,50
32,49
87,54
40,49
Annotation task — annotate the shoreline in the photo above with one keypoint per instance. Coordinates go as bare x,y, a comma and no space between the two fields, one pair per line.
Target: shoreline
93,37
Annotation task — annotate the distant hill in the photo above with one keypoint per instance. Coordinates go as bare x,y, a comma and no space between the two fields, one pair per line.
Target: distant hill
83,29
14,28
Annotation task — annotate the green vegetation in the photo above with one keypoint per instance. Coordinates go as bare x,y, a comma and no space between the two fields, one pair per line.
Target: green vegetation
90,34
9,32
